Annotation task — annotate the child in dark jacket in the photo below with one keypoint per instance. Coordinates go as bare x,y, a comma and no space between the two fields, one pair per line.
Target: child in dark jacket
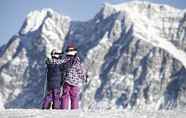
54,80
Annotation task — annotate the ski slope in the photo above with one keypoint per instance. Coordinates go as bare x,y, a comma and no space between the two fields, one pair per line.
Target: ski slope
36,113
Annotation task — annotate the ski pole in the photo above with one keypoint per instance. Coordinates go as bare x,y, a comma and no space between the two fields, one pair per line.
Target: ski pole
45,84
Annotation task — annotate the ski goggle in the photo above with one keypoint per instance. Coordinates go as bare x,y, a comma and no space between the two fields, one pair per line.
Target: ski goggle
71,49
57,55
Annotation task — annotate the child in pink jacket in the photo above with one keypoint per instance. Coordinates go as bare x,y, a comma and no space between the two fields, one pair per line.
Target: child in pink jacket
73,75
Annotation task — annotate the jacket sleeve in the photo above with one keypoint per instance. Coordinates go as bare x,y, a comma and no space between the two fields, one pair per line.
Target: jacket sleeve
47,60
80,71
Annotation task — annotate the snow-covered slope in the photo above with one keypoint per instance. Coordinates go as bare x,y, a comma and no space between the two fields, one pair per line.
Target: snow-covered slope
134,52
35,113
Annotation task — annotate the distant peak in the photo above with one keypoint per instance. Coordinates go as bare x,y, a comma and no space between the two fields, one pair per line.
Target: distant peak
140,8
136,4
36,18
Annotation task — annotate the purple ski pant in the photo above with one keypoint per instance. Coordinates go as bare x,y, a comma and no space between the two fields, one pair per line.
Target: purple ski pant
71,93
53,96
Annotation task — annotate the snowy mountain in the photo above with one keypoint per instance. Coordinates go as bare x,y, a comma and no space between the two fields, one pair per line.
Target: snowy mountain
135,54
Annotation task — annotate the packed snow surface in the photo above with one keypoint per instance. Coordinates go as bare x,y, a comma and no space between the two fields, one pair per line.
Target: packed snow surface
35,113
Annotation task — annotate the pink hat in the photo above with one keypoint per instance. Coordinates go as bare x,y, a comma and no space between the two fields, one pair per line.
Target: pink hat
71,47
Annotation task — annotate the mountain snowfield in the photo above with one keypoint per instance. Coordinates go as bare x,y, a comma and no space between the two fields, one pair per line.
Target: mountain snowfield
135,54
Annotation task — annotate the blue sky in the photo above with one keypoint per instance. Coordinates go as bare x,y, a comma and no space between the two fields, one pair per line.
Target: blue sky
13,12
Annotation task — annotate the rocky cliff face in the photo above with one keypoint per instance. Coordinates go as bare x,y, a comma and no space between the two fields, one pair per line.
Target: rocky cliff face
134,53
22,64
